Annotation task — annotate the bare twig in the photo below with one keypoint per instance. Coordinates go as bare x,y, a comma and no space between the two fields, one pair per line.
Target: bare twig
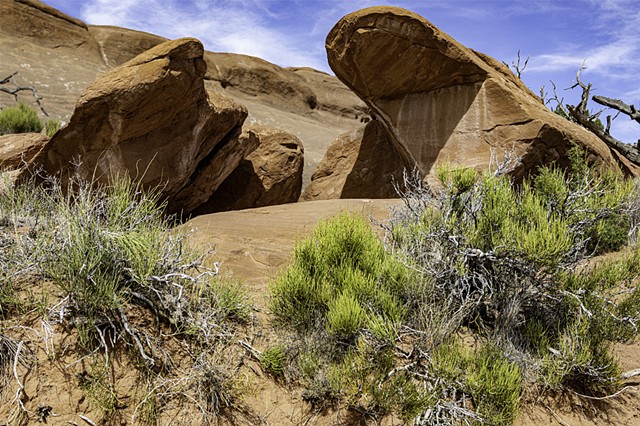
18,88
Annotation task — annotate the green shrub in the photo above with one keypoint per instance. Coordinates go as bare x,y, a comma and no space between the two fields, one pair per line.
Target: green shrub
52,126
273,360
19,119
507,263
342,279
116,258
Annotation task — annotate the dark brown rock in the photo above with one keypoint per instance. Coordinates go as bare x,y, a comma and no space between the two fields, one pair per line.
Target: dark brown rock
270,175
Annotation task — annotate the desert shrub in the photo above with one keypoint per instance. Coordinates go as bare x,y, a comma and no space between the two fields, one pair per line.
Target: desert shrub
485,375
342,280
116,258
507,263
347,298
273,360
19,119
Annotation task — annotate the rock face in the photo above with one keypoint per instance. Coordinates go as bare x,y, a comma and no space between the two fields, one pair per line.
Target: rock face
17,150
442,102
359,164
119,45
270,175
61,56
151,119
38,23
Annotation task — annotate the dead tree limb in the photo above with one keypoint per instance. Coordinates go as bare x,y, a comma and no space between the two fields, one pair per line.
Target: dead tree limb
18,88
586,88
618,105
627,150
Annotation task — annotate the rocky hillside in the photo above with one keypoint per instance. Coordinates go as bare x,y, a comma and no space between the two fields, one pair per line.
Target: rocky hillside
61,56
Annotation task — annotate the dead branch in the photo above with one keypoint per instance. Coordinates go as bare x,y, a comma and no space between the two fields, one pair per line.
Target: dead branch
630,152
582,106
559,101
618,105
630,374
516,65
18,88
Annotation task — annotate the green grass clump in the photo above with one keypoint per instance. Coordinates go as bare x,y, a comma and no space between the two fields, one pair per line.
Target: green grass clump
19,119
342,280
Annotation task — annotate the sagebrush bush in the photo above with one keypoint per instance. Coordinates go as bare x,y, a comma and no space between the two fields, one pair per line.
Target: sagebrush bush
504,261
111,251
19,119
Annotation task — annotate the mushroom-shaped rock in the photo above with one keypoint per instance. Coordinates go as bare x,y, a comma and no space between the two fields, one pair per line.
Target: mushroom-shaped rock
442,102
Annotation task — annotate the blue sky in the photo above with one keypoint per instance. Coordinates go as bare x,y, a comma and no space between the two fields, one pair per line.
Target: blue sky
557,36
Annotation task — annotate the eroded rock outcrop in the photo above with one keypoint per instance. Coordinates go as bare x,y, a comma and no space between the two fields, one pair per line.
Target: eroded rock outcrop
152,119
36,22
442,102
359,164
270,175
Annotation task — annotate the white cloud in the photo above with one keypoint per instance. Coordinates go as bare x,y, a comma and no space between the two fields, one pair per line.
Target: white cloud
228,26
614,39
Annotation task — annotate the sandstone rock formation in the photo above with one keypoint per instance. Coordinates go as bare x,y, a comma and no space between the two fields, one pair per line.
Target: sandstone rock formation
270,175
359,164
16,150
151,119
35,22
332,95
61,56
442,102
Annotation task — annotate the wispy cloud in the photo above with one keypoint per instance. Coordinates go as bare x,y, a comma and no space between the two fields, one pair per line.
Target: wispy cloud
248,27
608,43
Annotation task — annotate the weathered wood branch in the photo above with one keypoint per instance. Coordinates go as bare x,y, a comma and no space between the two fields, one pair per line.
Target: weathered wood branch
618,105
18,88
582,118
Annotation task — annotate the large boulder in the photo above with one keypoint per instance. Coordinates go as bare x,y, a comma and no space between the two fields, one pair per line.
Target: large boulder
359,164
18,149
270,175
152,119
442,102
